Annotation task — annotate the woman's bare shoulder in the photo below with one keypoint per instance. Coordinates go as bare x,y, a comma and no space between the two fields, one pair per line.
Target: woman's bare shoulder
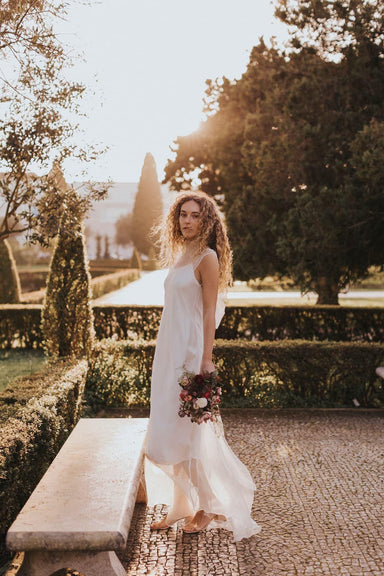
207,258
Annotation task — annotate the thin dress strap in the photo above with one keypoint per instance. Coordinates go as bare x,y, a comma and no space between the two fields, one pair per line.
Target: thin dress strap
199,258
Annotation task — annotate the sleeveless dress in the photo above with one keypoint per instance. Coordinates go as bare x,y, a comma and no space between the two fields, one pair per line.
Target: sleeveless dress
207,475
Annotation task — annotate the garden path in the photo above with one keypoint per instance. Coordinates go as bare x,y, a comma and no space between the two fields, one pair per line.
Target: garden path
149,290
319,480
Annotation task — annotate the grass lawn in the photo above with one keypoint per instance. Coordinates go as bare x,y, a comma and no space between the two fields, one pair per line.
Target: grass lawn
14,363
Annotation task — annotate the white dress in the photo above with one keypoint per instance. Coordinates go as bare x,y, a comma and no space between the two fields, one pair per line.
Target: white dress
206,473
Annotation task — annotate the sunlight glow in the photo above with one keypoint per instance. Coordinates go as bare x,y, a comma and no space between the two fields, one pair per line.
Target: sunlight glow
146,66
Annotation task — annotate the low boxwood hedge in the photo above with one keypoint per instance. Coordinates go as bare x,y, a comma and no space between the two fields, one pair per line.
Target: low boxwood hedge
100,285
36,416
336,323
20,325
110,282
281,374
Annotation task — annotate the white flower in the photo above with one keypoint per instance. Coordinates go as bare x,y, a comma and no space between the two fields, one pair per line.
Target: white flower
200,403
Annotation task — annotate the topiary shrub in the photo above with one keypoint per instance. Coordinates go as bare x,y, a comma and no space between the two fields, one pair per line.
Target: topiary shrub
9,277
67,318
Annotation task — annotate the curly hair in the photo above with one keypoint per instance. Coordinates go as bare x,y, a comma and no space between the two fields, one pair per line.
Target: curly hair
213,234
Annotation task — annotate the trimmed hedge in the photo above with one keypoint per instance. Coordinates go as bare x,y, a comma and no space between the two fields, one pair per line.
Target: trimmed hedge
100,285
336,323
32,280
36,416
20,325
259,323
127,322
110,282
284,374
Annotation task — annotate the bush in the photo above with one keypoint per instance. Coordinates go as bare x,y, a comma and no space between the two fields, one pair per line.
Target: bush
100,285
127,322
110,282
9,278
282,374
67,319
254,323
336,323
32,280
19,325
298,374
36,416
119,374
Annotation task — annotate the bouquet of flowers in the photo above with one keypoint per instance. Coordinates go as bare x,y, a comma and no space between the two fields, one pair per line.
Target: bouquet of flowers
200,396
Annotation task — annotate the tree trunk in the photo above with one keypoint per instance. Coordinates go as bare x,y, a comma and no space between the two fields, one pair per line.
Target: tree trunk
327,292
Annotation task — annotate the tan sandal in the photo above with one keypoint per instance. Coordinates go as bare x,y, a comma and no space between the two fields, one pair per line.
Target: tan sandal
199,523
164,525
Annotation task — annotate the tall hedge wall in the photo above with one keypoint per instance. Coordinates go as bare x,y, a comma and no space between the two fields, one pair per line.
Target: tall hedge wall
284,374
20,325
36,416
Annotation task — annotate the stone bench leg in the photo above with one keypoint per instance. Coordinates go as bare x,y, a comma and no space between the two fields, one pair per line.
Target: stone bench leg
142,497
45,563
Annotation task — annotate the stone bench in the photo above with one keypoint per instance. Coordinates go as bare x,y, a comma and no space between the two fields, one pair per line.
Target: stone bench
80,512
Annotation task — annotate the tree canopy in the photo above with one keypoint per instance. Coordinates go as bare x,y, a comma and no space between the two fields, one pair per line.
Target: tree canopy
38,105
294,149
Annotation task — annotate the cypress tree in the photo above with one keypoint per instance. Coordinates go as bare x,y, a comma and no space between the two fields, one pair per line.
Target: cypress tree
148,206
67,319
9,277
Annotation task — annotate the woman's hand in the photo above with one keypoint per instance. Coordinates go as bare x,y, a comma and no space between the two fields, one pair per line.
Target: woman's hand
207,366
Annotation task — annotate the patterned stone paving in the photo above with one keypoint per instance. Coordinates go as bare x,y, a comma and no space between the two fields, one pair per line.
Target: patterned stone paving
319,500
320,478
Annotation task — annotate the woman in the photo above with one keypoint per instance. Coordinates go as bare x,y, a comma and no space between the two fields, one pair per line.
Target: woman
211,485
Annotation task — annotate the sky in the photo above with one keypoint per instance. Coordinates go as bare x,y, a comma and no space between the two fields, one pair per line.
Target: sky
145,63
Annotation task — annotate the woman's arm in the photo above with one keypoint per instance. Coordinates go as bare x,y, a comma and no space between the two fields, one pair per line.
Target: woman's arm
208,274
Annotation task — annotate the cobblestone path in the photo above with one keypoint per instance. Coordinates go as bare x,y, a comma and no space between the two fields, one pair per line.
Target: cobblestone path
320,502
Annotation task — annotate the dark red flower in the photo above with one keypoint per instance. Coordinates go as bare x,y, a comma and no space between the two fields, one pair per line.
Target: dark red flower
199,379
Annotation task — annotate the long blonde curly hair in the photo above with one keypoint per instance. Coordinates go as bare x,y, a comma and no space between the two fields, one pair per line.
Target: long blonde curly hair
213,235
